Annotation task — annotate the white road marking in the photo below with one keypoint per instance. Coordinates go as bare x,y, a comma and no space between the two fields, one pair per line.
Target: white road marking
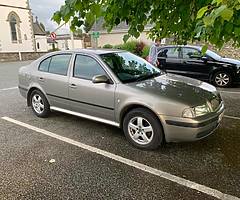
230,92
181,181
231,117
5,89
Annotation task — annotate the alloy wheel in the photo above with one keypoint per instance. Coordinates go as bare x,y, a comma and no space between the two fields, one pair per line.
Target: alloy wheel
140,130
222,79
37,103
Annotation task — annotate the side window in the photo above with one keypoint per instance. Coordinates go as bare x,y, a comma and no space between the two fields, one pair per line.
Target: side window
169,53
87,67
59,64
189,53
44,65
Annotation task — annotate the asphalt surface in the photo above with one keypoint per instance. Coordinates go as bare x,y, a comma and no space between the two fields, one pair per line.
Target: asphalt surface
26,173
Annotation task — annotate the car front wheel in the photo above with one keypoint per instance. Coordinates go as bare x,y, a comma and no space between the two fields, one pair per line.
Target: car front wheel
222,79
39,104
143,129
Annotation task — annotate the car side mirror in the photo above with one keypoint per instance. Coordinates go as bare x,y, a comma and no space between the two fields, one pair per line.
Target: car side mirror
100,79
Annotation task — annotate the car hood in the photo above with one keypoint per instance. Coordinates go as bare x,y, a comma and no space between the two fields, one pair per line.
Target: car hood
230,60
177,88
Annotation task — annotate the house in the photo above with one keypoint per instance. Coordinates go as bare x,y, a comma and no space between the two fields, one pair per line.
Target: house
40,37
115,37
64,42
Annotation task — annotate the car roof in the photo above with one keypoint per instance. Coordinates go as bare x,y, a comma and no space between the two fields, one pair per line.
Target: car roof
91,51
189,46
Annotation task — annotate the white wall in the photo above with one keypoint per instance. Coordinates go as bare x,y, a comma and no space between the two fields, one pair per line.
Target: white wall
117,38
6,44
67,44
42,41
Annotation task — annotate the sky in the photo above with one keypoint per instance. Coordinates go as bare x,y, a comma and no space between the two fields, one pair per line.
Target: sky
44,10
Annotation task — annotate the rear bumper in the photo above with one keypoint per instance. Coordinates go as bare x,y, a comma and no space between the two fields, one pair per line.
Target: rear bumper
182,129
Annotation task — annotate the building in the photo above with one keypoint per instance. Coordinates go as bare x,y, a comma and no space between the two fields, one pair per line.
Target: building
40,37
64,42
115,37
16,21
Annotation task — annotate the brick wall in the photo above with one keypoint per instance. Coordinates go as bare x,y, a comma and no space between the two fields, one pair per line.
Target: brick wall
7,57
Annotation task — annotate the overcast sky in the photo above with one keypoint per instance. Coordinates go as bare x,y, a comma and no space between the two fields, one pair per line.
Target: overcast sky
44,9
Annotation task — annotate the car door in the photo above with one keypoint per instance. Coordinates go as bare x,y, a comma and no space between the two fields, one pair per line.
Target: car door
95,99
169,59
193,64
53,78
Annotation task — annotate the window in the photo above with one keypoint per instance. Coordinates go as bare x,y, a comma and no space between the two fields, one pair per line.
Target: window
189,53
44,65
38,45
169,53
87,67
14,22
59,64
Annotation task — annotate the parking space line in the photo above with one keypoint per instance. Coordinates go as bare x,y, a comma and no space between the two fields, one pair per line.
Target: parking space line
230,92
181,181
231,117
5,89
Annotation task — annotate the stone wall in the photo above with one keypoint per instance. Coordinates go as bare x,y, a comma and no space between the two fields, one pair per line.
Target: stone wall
7,57
229,52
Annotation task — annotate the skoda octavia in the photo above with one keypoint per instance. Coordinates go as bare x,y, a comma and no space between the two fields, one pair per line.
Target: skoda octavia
121,89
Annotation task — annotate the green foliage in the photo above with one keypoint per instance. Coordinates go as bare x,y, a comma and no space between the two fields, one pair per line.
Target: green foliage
107,46
130,46
145,51
216,21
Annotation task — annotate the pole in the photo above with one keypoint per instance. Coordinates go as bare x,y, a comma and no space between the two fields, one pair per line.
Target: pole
18,43
71,34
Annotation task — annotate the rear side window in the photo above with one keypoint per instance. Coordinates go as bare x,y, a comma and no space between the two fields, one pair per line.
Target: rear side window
169,53
87,67
59,64
44,65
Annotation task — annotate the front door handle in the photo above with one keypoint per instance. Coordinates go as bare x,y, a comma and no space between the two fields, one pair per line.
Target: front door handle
72,86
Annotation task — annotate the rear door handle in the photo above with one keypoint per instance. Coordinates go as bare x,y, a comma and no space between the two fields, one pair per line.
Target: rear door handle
72,86
41,79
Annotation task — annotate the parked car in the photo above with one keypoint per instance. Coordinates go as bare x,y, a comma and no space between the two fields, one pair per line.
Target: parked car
188,61
121,89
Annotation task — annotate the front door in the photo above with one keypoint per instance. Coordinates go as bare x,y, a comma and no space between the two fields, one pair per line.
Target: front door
88,98
193,65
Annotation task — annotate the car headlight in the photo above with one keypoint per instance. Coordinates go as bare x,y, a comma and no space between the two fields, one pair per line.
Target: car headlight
196,111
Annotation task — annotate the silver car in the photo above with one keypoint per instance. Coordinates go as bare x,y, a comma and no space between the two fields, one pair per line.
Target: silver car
121,89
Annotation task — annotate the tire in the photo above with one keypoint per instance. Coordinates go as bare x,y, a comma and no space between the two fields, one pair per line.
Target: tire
148,136
39,104
222,79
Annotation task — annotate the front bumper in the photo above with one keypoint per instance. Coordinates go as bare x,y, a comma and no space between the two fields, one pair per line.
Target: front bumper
183,129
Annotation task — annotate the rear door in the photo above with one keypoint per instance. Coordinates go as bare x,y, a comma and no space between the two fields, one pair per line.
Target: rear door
193,65
169,59
53,78
88,98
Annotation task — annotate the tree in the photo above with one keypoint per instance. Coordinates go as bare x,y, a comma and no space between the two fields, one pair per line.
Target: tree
215,21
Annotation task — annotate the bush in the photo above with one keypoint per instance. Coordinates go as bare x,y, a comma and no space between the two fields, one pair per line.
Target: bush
107,46
119,46
145,51
130,46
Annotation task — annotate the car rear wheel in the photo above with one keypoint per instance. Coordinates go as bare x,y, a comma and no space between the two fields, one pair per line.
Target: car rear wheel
143,129
222,79
39,104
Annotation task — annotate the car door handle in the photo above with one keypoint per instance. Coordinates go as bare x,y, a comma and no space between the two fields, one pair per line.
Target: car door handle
41,79
72,86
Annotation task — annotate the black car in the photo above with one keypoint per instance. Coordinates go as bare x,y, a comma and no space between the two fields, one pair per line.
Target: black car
188,61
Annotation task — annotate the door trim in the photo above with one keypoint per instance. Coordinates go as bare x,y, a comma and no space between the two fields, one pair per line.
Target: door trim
98,119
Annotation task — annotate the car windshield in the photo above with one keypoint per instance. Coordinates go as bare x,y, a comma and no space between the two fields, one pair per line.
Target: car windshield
129,67
213,55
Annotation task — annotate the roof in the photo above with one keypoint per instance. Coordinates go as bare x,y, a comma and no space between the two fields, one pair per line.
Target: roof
99,26
190,46
37,29
90,51
63,37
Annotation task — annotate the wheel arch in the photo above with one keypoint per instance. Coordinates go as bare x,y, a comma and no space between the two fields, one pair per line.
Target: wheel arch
30,92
